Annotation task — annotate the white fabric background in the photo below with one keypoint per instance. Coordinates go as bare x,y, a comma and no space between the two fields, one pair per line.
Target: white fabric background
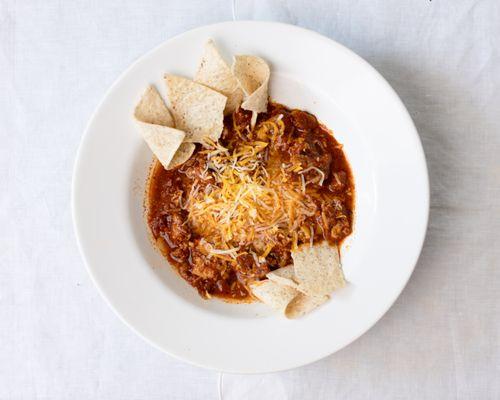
58,338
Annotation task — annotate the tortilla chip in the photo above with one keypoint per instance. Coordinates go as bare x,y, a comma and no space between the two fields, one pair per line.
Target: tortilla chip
162,140
273,294
152,112
183,153
283,276
303,304
318,270
216,74
152,109
253,75
197,109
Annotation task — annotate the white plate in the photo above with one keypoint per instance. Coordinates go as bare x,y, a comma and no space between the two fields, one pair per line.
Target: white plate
310,72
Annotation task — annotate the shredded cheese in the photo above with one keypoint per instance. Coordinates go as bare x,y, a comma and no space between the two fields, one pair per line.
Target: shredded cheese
251,200
321,173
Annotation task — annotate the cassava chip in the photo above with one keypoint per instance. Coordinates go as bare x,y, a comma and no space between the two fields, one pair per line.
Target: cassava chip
303,304
273,294
283,276
216,74
253,75
162,140
152,109
197,109
317,269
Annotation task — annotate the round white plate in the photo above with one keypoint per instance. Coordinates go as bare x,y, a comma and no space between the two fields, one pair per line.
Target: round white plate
309,72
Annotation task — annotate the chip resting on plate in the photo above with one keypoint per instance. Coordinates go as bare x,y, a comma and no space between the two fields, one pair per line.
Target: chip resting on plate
216,74
162,140
273,294
197,109
253,75
317,269
152,109
283,276
303,304
156,126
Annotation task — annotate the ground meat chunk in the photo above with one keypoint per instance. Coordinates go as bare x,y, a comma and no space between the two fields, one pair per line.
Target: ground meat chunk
172,228
248,269
279,258
203,270
310,150
202,265
335,220
194,167
303,121
175,231
340,229
338,182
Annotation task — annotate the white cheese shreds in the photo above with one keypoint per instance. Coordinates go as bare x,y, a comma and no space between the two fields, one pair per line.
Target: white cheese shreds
321,173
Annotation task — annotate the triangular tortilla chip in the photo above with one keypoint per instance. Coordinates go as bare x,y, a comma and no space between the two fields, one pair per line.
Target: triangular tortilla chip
317,269
273,294
183,153
156,125
283,276
303,304
197,109
152,109
162,140
253,75
216,74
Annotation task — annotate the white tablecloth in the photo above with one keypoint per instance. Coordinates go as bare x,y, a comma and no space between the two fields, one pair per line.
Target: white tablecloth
58,338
